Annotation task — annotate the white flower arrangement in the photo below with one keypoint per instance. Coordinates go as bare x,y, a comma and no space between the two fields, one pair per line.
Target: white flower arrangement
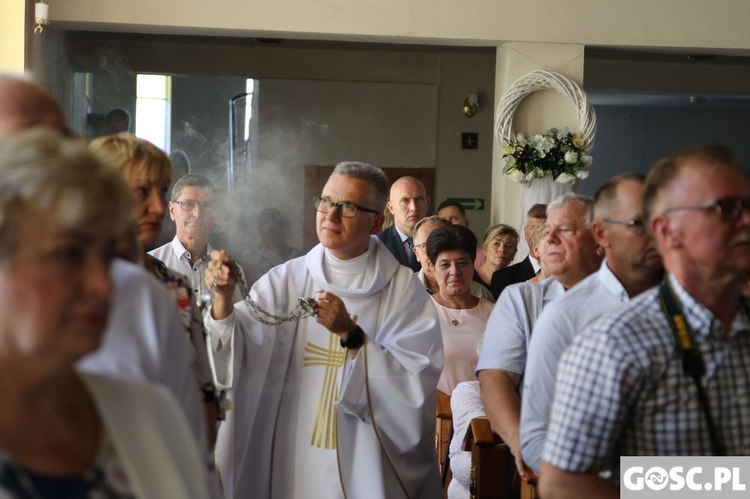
557,153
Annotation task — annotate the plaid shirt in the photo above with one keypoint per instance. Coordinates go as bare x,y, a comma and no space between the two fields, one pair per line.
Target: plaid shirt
621,389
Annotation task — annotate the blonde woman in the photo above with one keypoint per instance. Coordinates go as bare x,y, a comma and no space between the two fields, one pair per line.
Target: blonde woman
148,172
64,433
499,248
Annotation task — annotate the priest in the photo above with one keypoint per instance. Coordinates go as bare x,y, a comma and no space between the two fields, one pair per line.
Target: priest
342,404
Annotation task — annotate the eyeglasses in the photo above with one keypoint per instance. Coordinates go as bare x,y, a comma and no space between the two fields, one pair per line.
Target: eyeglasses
190,205
347,209
636,224
729,208
421,245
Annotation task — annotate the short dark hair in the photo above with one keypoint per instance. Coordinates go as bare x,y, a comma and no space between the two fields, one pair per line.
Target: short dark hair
539,210
451,238
666,169
448,203
118,111
606,196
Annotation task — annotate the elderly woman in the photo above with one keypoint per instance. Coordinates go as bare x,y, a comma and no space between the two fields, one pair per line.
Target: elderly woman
462,316
65,433
499,249
148,172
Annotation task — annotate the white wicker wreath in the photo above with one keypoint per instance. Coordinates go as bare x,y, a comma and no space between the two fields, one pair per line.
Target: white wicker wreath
545,80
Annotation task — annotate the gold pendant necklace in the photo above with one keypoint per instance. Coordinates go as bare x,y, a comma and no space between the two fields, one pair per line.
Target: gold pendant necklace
454,318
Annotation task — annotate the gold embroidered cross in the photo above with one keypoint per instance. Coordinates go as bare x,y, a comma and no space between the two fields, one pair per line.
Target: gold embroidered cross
324,430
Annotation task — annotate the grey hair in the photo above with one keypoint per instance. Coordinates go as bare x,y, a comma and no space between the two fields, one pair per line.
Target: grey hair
42,171
191,180
433,218
585,202
374,175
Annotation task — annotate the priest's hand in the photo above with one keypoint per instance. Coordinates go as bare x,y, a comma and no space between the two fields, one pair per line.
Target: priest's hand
223,271
331,313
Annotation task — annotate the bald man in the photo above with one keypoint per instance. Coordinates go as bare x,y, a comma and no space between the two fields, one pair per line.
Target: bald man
24,104
145,338
408,204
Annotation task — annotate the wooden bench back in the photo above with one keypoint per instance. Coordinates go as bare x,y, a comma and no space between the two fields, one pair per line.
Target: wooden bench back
488,459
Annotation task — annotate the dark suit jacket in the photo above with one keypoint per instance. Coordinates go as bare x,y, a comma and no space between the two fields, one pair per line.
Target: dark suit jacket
520,272
392,241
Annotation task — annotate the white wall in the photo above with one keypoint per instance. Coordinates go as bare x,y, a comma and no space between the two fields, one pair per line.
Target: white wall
634,23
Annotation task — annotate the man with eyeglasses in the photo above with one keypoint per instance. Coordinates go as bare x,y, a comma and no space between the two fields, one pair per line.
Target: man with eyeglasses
192,210
570,254
342,404
669,373
408,204
631,266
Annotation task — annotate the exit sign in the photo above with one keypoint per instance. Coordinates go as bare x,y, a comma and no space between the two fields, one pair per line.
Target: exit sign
469,203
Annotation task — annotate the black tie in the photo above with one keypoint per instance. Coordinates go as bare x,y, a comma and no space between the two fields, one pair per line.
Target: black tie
410,252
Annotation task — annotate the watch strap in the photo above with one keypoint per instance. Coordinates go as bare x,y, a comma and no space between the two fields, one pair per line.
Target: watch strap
354,339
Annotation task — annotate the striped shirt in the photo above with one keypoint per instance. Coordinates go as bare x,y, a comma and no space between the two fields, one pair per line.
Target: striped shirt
621,389
506,338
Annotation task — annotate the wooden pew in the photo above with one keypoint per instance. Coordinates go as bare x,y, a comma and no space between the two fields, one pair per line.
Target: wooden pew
443,434
488,460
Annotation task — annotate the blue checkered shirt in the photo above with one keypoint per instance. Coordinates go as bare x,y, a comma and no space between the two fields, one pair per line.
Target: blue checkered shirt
621,389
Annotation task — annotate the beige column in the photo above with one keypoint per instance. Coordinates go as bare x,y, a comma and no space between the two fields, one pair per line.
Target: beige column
12,35
537,113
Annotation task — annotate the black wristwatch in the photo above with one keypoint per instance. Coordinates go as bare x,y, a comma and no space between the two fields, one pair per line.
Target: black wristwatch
355,339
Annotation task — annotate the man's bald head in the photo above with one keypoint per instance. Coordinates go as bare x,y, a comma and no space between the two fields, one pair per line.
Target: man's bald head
24,104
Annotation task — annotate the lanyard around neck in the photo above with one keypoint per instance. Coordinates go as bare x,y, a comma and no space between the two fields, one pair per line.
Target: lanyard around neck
692,362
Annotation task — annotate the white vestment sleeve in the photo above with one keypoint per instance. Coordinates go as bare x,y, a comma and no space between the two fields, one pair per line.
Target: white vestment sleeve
154,442
145,339
221,348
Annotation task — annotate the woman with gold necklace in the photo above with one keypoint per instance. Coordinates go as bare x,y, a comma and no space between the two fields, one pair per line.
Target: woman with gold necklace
462,316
